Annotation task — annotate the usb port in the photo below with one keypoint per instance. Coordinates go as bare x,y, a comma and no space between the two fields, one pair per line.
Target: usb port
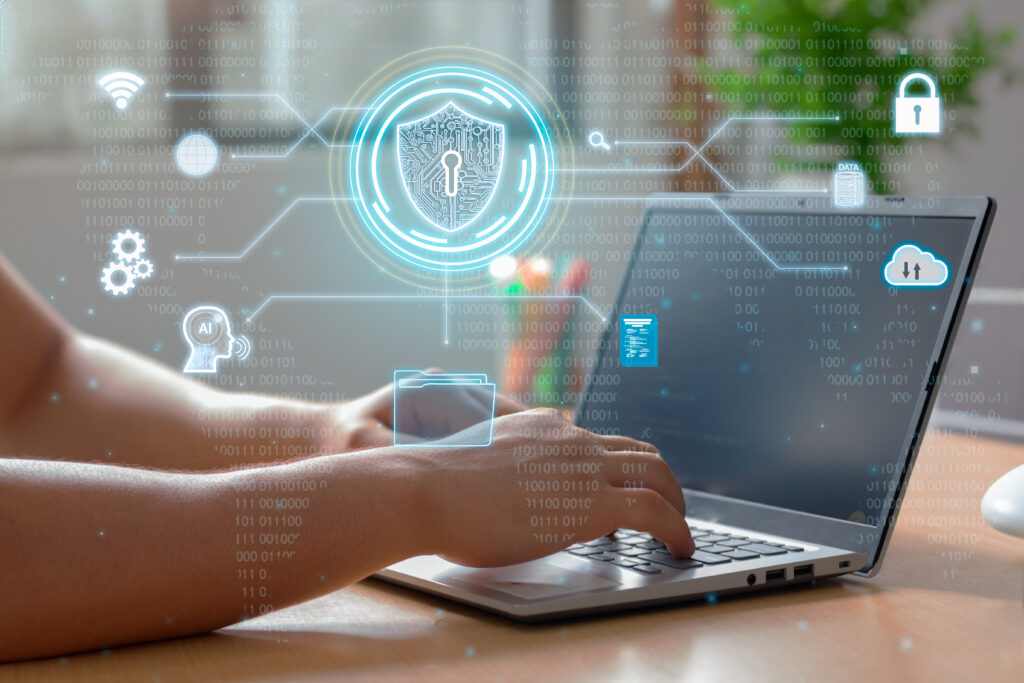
775,575
803,570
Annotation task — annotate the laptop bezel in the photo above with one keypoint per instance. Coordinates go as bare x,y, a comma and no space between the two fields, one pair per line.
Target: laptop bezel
869,540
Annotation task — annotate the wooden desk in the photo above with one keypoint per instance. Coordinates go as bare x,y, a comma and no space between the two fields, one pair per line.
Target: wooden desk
947,606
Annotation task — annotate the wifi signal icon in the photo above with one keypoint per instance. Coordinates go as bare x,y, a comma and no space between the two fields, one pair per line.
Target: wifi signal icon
121,86
242,347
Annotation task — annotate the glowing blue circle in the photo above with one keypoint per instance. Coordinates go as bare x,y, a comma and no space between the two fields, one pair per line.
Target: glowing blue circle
523,189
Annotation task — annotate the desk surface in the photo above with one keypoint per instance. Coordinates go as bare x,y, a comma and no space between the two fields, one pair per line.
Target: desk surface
947,605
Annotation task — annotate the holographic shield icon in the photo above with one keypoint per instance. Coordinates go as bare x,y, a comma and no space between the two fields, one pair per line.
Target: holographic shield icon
451,163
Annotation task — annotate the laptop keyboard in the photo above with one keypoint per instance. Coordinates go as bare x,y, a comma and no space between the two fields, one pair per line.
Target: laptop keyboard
640,552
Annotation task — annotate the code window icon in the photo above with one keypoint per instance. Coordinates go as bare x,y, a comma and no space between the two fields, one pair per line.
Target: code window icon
638,341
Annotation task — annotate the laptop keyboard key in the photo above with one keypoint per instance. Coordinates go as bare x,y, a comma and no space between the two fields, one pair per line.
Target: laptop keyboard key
739,554
714,538
646,568
632,540
633,552
651,545
603,557
625,562
585,551
670,561
709,558
733,542
615,547
762,549
717,549
604,540
793,548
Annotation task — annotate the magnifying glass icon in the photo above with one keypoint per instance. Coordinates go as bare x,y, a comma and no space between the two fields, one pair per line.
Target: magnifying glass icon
596,139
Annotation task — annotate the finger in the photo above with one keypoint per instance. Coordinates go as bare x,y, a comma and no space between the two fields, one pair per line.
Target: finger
646,471
647,510
625,443
379,404
507,406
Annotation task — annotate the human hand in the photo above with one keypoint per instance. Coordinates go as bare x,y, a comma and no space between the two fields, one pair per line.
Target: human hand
544,484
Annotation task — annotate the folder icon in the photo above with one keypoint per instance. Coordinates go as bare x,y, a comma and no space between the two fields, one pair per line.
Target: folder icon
443,409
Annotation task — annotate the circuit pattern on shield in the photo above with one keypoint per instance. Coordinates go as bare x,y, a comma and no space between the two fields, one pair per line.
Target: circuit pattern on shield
421,146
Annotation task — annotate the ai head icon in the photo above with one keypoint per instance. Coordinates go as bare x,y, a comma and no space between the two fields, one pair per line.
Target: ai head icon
207,331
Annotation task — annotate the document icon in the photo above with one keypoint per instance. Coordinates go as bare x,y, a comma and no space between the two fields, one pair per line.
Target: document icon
638,341
442,409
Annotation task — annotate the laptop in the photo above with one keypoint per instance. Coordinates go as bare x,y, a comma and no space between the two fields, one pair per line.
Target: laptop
786,372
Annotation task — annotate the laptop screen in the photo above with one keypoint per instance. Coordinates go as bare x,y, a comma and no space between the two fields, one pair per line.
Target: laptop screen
792,388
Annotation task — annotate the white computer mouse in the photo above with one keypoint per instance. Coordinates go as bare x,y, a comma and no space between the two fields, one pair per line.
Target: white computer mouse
1003,504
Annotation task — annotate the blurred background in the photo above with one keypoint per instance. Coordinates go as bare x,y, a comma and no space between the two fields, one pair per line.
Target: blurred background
74,169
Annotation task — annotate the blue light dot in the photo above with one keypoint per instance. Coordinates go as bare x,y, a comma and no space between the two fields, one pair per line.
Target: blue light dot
101,533
859,367
711,598
93,384
282,189
906,644
62,279
470,651
802,625
788,438
666,303
663,392
745,368
90,312
659,240
695,296
54,397
821,426
876,226
158,347
874,469
172,210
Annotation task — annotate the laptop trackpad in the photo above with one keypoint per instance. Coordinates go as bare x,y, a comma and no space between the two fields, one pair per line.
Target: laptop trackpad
535,580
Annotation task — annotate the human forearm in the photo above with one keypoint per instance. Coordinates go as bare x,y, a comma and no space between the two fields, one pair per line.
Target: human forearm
136,555
117,407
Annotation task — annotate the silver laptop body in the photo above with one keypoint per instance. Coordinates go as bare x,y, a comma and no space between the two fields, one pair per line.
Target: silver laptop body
821,545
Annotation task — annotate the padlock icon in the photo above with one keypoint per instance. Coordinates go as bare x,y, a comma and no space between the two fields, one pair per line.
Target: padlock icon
920,115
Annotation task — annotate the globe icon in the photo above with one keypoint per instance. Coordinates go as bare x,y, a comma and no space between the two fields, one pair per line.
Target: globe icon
196,155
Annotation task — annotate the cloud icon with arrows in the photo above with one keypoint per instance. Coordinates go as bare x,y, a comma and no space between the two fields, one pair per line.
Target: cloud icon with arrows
911,266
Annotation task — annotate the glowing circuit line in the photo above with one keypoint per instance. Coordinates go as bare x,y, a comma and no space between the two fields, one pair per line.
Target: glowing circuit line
266,231
445,297
311,129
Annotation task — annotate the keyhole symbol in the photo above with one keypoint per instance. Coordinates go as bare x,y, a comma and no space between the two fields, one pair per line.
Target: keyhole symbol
917,114
452,162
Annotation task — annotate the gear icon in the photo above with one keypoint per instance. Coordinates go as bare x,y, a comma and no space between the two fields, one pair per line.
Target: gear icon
143,269
118,278
128,245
